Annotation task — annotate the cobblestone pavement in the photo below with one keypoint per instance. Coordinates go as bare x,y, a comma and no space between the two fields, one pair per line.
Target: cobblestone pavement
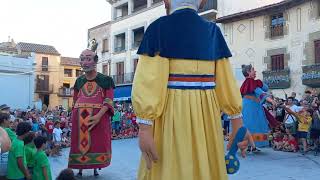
267,165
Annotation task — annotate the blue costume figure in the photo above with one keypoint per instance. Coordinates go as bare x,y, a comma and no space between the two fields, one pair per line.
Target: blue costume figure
255,117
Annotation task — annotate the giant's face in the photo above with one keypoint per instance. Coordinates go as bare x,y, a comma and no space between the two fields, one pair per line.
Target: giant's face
87,61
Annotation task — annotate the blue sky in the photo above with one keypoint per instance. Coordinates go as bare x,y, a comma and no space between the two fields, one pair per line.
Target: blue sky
61,23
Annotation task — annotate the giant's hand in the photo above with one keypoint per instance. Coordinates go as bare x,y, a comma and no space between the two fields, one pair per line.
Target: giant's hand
93,121
147,145
236,125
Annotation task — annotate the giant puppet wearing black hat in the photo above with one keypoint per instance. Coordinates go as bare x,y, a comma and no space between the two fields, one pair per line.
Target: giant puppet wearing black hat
182,83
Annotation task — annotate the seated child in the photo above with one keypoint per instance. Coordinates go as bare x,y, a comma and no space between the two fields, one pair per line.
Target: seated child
285,143
293,144
277,141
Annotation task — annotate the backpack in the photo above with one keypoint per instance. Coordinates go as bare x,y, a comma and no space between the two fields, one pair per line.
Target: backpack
291,124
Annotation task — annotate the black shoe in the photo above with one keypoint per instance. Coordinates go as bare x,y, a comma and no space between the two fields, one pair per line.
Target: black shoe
95,173
256,150
79,174
249,149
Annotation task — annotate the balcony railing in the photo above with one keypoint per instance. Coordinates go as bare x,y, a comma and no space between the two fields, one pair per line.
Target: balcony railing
279,79
311,75
65,92
210,5
277,31
123,79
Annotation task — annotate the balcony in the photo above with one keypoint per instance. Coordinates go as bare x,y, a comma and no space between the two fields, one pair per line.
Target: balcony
210,5
65,92
44,89
311,75
279,79
123,79
277,31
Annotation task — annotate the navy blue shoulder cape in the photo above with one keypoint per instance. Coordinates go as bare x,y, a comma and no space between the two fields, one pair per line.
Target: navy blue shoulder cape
184,35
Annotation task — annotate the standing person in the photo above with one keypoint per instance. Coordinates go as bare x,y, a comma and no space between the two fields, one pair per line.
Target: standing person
315,129
41,170
17,164
91,116
57,137
290,121
182,58
304,118
49,127
116,121
295,100
255,117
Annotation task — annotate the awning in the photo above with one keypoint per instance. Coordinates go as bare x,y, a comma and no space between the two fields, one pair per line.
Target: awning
122,93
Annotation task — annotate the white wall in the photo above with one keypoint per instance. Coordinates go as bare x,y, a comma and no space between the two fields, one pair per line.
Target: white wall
17,81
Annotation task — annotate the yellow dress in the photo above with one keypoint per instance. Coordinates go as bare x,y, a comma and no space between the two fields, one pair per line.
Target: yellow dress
187,124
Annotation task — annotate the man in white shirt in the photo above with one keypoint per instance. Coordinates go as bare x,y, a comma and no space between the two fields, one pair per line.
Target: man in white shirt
290,120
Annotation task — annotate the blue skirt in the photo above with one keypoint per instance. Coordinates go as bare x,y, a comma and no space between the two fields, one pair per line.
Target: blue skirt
255,119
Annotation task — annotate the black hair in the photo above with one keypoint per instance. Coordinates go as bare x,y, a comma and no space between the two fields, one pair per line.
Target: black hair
66,174
39,141
310,110
307,92
3,117
291,98
245,69
23,128
29,138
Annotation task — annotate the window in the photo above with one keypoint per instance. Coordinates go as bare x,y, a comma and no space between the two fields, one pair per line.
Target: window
44,64
78,72
120,42
105,45
156,1
277,25
317,51
121,11
137,37
120,73
139,4
105,69
277,62
67,72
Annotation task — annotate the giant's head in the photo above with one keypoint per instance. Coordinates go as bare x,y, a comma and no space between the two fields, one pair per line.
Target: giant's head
172,5
88,60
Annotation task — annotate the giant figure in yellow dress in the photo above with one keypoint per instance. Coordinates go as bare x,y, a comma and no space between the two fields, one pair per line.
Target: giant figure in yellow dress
182,84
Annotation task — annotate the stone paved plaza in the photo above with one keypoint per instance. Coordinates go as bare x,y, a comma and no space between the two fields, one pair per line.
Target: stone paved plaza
267,165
